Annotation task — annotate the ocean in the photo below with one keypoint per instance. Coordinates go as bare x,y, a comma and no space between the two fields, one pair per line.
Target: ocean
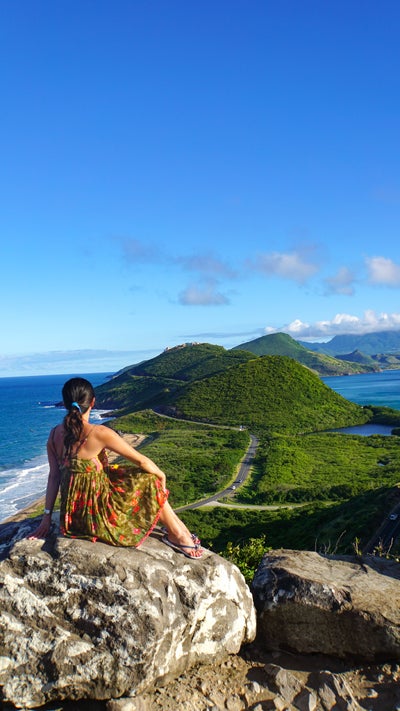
369,388
28,411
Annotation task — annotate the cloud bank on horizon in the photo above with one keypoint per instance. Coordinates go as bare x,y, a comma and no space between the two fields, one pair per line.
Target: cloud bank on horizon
341,324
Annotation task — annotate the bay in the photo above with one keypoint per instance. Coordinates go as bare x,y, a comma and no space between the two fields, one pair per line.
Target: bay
382,389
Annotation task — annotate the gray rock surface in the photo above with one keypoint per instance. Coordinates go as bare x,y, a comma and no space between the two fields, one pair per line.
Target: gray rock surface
82,620
335,605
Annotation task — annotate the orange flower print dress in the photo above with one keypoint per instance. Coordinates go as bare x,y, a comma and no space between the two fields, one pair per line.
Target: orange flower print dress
116,504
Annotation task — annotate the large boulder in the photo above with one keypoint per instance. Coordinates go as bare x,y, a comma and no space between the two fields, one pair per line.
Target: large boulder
87,620
341,606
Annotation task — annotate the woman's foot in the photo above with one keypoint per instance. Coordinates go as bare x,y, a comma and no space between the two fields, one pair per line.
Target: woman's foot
190,550
196,540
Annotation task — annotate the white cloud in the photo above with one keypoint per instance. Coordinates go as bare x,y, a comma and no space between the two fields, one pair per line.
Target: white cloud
288,265
341,324
341,283
206,295
383,271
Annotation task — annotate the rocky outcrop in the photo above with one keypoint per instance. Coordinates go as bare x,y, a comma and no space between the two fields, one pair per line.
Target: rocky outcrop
82,620
339,606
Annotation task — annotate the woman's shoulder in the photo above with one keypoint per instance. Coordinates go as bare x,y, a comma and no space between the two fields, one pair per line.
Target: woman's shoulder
99,431
104,434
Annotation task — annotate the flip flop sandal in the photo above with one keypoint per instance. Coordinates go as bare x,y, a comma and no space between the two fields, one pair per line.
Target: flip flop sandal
182,549
196,540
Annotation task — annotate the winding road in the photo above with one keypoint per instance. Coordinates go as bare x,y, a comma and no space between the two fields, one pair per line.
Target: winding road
243,473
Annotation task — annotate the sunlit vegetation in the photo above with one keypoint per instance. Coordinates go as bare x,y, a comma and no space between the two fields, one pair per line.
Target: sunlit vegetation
268,394
324,527
155,382
326,466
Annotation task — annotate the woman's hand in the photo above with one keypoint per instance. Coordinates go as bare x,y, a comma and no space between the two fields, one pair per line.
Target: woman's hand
162,479
43,528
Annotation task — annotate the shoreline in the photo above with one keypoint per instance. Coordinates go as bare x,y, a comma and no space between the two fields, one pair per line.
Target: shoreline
27,512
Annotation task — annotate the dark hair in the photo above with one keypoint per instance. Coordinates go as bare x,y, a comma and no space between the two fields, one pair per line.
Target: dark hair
77,395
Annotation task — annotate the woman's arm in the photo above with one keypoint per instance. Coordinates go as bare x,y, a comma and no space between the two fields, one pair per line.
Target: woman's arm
53,485
112,440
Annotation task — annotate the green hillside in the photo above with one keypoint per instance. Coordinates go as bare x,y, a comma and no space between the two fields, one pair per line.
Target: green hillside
283,344
270,392
153,381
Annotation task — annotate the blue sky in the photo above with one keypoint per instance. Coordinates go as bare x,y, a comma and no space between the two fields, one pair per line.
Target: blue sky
175,171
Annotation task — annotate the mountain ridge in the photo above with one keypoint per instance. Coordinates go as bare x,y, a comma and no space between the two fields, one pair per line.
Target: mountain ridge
383,342
320,362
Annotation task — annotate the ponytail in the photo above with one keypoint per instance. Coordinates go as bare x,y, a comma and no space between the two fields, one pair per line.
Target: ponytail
78,395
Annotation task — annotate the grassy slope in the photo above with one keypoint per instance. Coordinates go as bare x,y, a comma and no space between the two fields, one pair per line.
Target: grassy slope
283,344
153,381
271,393
323,466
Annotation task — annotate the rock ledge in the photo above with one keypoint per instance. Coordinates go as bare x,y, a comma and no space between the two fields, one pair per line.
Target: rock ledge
81,620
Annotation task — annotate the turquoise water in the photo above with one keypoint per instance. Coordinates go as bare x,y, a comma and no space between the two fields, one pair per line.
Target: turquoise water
27,413
369,388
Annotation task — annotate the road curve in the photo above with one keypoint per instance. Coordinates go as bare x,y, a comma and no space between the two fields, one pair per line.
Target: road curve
243,473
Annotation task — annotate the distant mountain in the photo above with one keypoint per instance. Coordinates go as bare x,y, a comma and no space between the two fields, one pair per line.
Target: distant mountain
369,343
323,364
387,360
359,357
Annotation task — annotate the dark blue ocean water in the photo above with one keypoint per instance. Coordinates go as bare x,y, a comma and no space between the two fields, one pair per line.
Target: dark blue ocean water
27,413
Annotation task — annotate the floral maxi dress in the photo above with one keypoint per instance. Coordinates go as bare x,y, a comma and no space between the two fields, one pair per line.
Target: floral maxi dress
116,504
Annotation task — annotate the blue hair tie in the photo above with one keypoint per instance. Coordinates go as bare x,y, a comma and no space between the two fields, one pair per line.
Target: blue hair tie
75,404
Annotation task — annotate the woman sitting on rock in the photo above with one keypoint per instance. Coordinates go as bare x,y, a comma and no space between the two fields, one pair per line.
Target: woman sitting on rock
116,504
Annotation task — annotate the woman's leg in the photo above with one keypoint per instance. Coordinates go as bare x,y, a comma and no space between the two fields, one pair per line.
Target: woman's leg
177,531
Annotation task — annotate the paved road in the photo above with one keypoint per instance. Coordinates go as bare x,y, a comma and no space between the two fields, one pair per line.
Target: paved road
243,473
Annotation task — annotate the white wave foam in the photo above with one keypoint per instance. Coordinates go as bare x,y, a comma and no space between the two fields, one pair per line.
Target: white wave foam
21,486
